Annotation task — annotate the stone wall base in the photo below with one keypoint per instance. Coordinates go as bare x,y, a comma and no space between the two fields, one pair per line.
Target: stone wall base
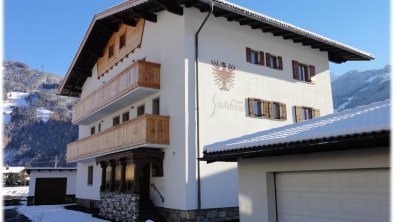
207,215
119,206
91,204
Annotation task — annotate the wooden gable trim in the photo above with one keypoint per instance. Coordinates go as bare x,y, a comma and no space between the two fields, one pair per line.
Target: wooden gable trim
134,37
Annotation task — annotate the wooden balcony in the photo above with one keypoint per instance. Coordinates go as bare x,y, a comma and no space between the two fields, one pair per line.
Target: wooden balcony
139,80
145,131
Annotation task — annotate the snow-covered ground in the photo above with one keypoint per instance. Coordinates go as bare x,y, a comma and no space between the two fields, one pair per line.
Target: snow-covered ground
44,114
55,213
343,105
18,99
13,99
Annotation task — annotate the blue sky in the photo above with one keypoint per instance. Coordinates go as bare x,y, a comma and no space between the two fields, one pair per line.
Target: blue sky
49,32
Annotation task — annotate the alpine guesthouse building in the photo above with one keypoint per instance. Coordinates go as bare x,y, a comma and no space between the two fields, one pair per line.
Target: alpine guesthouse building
159,79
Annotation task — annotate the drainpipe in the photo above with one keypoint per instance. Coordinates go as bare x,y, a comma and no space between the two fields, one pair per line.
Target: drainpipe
198,110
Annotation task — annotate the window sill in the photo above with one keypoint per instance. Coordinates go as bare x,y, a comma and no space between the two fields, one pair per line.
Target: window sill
262,117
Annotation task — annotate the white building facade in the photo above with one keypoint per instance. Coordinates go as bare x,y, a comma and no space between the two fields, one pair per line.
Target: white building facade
140,124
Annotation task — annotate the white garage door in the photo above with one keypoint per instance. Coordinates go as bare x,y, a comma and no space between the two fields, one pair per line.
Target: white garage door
333,196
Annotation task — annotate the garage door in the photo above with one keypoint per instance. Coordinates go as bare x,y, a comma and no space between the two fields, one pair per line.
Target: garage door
50,191
333,196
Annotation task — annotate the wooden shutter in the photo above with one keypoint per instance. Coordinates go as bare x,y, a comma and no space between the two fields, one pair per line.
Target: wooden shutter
271,110
248,54
315,113
280,63
261,58
312,71
295,70
283,113
250,106
265,108
307,74
267,60
298,113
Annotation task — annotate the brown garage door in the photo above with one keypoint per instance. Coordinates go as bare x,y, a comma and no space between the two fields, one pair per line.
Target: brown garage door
50,191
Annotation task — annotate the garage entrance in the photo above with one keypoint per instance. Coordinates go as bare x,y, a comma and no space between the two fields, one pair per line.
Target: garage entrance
333,196
50,191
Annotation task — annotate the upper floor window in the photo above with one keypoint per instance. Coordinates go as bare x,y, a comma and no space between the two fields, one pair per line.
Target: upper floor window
267,109
125,117
273,61
254,56
122,40
156,106
141,110
116,121
304,113
111,51
92,130
303,72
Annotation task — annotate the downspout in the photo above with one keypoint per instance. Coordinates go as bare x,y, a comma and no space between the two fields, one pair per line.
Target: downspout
198,110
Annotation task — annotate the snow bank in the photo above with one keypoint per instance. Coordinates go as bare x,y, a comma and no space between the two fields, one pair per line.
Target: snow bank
55,213
15,191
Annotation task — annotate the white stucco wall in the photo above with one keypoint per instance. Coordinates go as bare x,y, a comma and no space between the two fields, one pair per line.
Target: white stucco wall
256,183
226,42
170,42
70,175
83,190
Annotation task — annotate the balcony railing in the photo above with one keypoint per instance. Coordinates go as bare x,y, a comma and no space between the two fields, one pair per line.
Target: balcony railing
139,74
144,131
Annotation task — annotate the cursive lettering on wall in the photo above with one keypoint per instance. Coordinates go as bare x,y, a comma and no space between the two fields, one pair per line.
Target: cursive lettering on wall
234,105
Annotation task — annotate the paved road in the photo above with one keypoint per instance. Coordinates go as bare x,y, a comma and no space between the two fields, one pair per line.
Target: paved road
11,215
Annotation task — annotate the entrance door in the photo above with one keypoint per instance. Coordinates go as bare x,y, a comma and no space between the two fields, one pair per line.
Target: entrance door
145,183
50,191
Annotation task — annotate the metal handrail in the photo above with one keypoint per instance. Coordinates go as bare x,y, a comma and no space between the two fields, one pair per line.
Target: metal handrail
155,188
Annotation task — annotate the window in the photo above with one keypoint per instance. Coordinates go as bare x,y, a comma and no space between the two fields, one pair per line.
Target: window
276,110
273,61
267,109
99,127
116,121
90,175
110,51
254,56
118,175
122,40
92,130
141,110
303,72
156,106
254,107
108,177
129,176
125,117
304,113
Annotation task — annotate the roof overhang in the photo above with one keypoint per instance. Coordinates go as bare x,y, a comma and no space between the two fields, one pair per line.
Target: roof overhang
108,21
341,143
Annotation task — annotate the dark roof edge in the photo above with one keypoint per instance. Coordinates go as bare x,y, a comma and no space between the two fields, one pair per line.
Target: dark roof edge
347,142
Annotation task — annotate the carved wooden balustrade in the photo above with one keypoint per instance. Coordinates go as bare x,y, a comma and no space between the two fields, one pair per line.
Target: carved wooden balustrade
139,74
148,130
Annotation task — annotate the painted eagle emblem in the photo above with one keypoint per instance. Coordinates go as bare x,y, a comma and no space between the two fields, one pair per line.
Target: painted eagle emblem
224,75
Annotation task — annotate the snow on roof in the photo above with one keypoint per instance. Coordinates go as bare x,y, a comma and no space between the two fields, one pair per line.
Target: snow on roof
288,27
16,169
51,168
370,118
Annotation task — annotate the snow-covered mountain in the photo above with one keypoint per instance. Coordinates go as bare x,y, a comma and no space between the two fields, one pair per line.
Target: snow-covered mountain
356,88
37,122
